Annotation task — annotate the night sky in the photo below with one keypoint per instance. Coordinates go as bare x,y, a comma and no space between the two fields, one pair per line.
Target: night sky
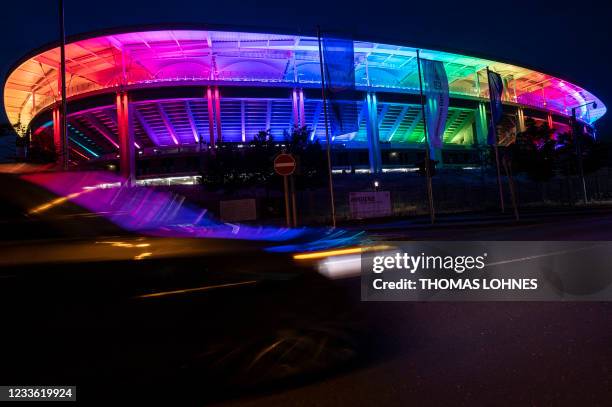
572,39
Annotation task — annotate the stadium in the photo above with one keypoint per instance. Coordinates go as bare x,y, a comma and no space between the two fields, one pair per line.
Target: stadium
158,97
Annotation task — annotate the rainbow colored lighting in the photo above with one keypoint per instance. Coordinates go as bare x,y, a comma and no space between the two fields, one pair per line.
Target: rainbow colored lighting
166,57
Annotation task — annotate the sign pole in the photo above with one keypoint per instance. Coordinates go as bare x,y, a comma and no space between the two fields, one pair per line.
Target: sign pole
286,187
494,130
284,165
577,142
293,205
511,185
327,138
432,213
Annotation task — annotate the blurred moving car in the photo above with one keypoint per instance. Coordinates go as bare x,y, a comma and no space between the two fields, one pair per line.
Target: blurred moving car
101,285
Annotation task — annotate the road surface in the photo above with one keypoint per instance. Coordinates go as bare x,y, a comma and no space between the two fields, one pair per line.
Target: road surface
243,335
468,354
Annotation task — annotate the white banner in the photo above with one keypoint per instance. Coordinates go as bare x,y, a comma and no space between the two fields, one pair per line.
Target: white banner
238,210
370,204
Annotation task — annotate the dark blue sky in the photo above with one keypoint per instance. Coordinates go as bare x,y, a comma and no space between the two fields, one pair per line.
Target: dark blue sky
572,39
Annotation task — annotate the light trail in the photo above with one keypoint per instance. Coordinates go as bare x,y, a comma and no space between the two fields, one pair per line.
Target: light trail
538,256
337,252
57,201
196,289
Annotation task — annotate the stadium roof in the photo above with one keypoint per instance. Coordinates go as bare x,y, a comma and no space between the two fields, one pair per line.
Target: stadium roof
187,56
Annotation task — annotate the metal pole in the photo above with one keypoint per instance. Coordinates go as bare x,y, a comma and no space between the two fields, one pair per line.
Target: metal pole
327,138
293,205
499,183
578,145
494,130
432,214
64,137
511,185
287,215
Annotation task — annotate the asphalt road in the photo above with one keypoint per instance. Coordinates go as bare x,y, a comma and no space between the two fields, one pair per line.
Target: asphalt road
540,224
256,338
472,354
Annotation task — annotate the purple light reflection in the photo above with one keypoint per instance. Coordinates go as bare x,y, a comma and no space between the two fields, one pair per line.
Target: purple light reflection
147,210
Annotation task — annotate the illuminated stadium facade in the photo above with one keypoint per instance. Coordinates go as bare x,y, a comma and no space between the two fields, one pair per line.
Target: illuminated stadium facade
171,92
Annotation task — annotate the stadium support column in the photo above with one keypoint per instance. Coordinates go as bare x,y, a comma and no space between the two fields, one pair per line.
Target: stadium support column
218,114
57,136
213,101
481,124
297,100
521,119
295,106
210,103
372,130
127,163
301,108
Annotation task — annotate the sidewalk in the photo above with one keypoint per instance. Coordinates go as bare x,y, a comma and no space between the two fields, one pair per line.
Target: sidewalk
476,219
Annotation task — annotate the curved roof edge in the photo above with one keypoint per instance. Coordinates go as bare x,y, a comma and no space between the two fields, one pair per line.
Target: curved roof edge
390,76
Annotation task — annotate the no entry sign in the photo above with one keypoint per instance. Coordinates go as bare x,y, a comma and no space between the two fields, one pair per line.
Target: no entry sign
284,164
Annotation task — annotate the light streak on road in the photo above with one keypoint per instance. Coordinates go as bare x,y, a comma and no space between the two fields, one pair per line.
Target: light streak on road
57,201
143,255
196,289
337,252
125,244
538,256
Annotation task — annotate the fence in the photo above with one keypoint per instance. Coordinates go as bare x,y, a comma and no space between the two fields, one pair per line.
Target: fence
454,191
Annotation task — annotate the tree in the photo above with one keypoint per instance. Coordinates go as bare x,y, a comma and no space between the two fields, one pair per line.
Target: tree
540,153
593,155
263,138
298,139
312,165
231,166
533,152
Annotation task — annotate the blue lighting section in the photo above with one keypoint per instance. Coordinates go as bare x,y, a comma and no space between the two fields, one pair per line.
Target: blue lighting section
84,148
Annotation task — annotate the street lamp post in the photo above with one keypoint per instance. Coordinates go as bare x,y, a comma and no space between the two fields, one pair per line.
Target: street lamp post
64,160
577,143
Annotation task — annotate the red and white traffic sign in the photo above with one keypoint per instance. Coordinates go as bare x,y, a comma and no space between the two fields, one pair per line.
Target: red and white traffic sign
284,164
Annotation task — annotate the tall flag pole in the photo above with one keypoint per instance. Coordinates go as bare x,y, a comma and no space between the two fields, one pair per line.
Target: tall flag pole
496,87
432,214
508,170
63,133
327,138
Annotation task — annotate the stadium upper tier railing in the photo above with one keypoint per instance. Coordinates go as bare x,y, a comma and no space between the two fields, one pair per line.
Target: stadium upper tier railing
151,58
